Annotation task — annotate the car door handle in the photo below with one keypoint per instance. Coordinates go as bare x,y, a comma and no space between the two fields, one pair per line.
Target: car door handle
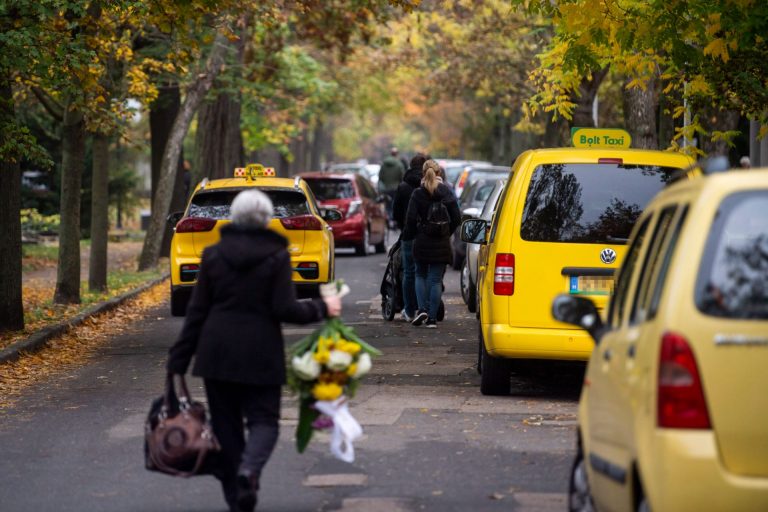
607,354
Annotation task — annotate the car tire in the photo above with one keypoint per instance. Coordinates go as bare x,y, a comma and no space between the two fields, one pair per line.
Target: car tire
495,373
468,289
579,492
457,260
362,248
179,300
441,311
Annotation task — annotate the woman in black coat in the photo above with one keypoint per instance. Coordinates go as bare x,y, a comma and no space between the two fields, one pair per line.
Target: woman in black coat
431,245
243,292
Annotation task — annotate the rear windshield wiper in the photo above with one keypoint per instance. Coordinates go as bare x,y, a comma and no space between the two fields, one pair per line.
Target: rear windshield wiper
618,240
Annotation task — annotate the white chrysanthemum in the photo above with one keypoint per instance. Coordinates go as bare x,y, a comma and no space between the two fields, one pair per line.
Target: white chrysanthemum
339,360
305,367
363,365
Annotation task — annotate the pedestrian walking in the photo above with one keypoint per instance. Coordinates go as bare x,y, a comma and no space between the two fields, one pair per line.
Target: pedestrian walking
433,215
390,175
411,181
243,293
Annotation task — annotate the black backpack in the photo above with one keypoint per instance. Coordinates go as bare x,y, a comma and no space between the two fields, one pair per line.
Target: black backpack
437,223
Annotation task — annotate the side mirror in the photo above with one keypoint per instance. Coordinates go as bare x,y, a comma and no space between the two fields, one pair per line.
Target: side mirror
470,213
330,214
174,218
473,231
580,312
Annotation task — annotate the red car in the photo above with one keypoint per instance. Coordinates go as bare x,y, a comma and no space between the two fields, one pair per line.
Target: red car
364,218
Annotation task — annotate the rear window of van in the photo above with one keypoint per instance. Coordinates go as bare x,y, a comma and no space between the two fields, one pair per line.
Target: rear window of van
588,203
733,276
326,189
215,204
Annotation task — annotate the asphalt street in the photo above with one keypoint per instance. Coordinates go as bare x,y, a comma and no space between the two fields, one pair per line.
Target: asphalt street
432,442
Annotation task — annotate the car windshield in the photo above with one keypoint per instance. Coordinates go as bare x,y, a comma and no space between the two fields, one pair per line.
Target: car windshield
733,276
588,203
485,174
452,172
331,188
215,204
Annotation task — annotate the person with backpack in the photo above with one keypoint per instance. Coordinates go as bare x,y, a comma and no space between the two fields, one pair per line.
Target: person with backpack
411,181
433,215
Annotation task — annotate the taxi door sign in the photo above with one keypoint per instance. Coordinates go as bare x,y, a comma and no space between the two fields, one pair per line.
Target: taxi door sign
602,138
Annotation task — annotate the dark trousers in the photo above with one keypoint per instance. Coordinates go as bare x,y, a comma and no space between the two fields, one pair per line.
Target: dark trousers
229,403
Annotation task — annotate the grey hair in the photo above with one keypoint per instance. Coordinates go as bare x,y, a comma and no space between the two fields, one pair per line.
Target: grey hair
251,208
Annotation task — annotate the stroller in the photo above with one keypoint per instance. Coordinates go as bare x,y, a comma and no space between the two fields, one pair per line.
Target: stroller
392,287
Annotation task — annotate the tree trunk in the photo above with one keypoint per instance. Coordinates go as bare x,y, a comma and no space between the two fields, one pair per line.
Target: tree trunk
317,147
582,115
640,115
150,252
161,116
73,161
219,139
721,121
11,305
97,270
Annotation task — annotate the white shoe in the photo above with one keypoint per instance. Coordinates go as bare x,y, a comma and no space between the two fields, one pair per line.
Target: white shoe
405,317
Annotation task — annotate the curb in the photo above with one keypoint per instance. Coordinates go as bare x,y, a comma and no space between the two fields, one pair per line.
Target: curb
40,339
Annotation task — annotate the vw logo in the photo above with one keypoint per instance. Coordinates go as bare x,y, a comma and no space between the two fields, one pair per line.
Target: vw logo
607,256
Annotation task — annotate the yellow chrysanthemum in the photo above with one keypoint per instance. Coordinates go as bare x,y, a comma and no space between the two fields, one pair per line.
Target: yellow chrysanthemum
326,391
322,356
352,369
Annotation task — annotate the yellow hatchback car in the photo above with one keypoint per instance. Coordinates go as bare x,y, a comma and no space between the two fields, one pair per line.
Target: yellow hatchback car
561,225
296,217
674,409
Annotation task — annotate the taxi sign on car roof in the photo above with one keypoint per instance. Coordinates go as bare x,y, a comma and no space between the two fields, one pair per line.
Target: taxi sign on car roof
602,138
253,171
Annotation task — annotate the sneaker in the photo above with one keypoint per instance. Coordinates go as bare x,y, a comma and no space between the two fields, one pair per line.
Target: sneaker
405,317
431,324
420,318
246,492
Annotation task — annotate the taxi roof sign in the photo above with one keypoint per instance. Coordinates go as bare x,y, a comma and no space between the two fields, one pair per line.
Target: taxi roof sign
253,171
602,138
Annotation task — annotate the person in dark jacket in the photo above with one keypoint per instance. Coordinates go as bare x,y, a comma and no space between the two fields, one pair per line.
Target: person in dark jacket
430,251
411,181
243,292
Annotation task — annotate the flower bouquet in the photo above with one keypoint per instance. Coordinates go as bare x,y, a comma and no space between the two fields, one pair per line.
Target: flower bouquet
325,371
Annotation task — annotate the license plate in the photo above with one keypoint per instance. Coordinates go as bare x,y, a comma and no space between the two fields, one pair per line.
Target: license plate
590,285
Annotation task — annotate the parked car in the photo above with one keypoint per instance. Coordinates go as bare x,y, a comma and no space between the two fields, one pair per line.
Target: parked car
364,221
472,173
296,217
474,200
468,278
453,168
674,411
561,225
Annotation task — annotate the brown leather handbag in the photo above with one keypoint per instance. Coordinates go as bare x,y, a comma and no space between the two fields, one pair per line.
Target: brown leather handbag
177,435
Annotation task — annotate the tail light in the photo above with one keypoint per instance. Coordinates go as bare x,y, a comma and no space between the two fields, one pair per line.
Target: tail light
354,207
195,225
681,402
617,161
188,272
308,269
504,275
305,222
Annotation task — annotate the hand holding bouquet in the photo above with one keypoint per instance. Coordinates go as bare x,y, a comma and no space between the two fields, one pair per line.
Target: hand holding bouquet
325,370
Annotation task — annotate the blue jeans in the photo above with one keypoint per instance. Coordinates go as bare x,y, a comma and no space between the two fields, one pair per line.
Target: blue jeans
409,277
429,287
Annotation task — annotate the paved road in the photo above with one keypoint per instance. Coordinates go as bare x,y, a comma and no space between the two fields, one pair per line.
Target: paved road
432,442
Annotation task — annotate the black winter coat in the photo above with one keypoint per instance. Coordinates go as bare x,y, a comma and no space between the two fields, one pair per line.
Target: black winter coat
428,249
411,181
243,292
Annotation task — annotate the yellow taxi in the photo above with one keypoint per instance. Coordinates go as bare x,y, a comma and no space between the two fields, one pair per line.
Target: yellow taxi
296,217
561,225
674,410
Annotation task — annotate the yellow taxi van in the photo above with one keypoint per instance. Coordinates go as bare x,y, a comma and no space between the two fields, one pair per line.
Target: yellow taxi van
674,411
296,216
561,225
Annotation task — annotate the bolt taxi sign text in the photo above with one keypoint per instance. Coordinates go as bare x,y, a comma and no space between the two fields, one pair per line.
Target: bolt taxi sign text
603,138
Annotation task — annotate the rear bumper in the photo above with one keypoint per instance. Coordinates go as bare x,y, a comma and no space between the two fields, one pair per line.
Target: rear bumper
533,343
683,472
